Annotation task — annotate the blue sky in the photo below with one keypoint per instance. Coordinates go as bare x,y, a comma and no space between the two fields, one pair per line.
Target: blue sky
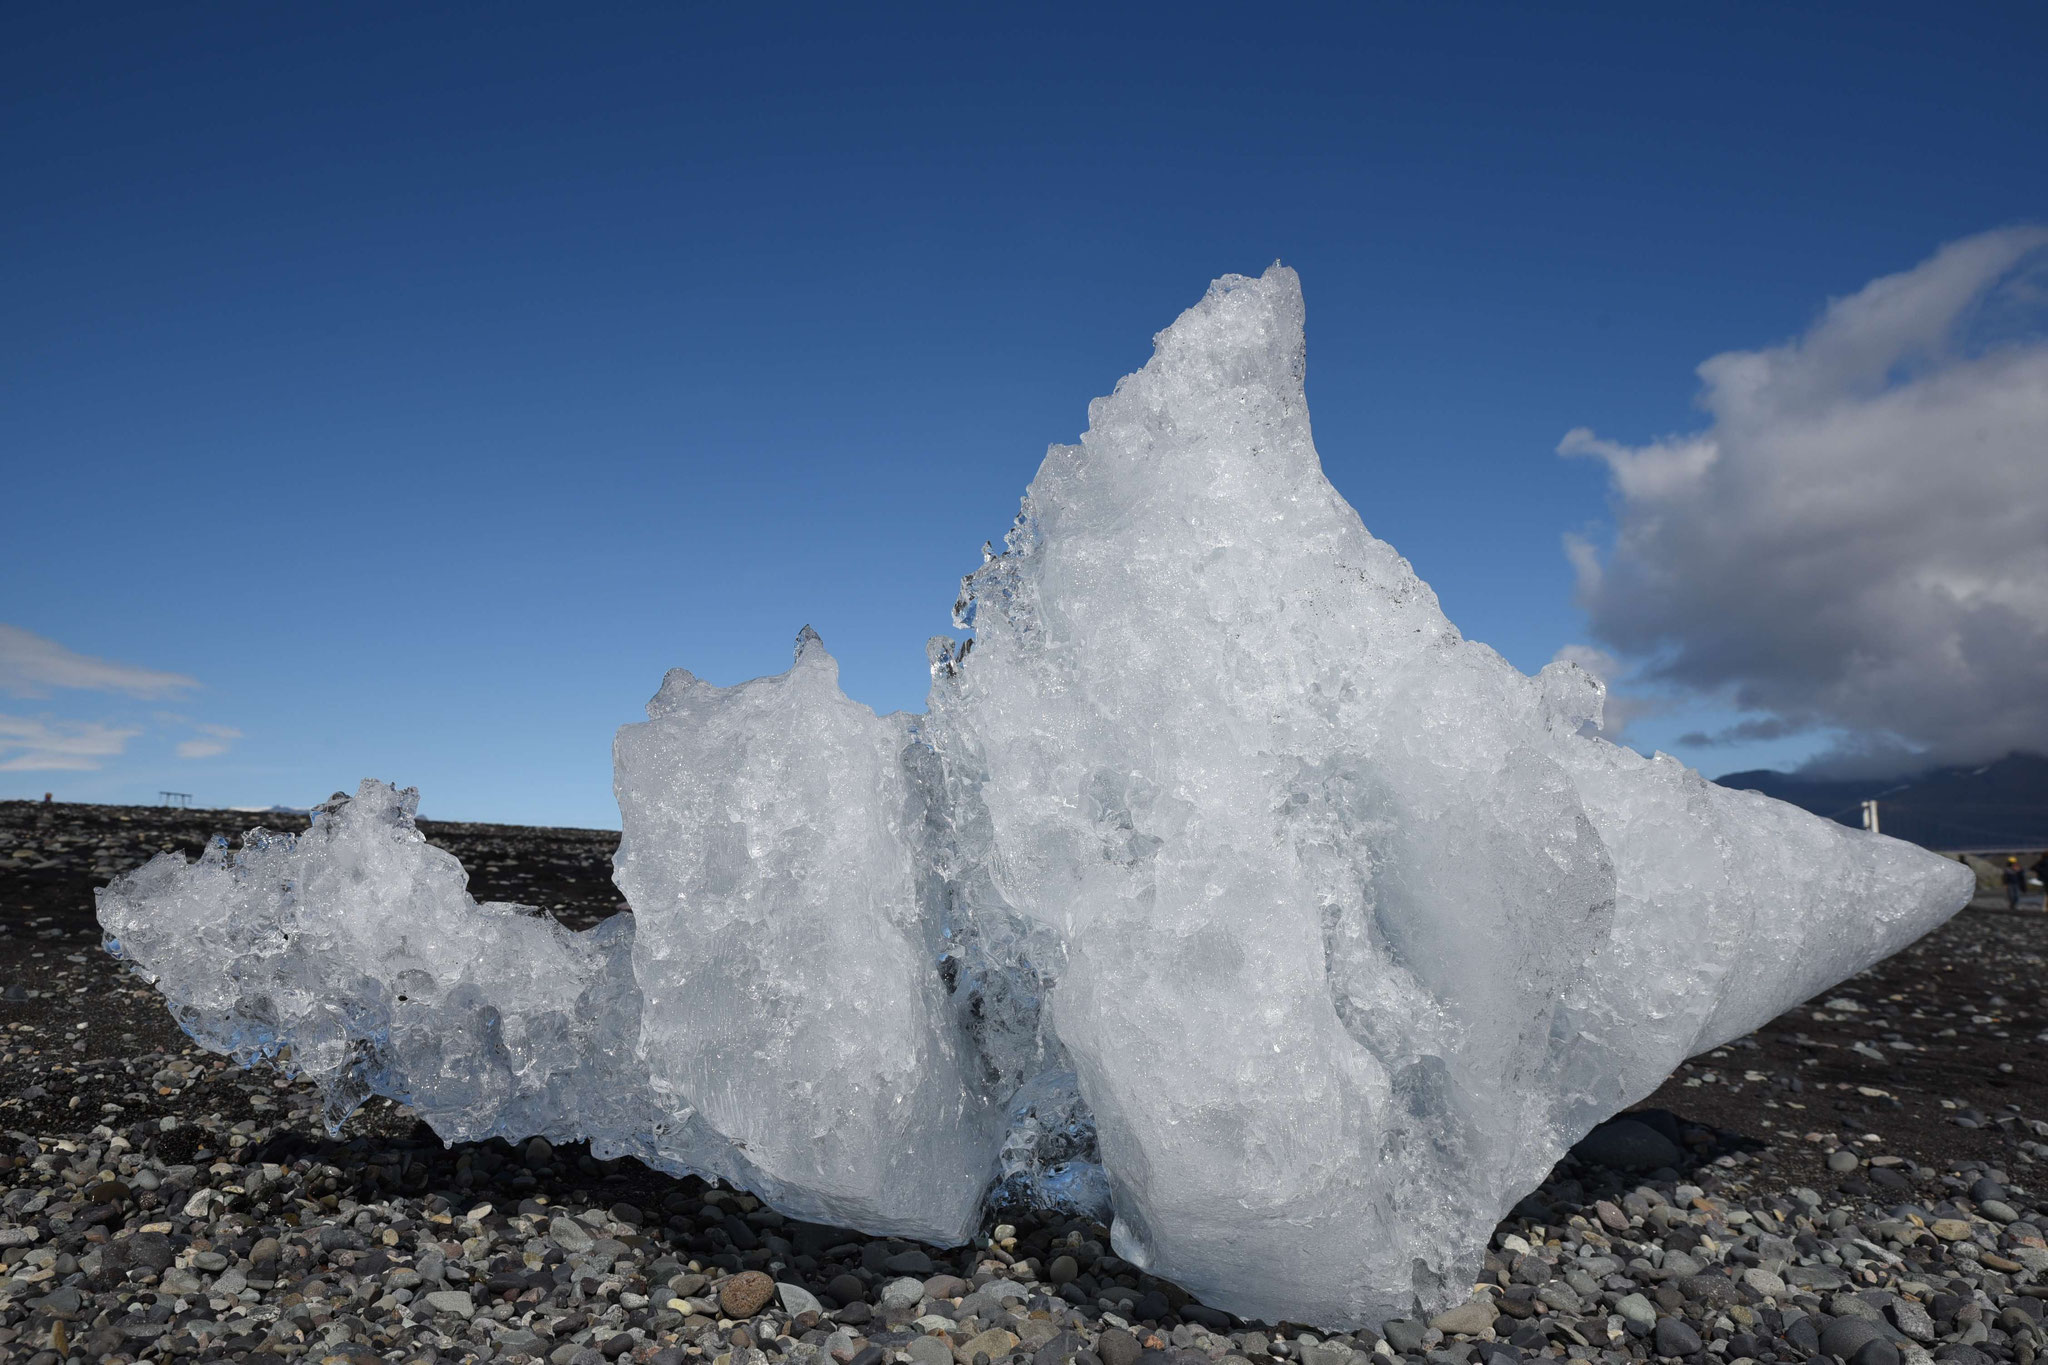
403,389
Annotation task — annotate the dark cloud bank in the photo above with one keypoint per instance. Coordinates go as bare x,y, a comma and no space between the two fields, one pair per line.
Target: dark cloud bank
1857,545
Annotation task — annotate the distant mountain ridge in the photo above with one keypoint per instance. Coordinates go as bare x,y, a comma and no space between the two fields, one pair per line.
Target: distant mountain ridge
1997,806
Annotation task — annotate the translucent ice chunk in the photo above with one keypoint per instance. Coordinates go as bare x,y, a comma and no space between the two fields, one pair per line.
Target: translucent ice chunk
787,950
1225,886
1361,931
352,955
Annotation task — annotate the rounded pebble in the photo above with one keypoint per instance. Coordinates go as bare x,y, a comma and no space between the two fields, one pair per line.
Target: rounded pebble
1675,1337
745,1294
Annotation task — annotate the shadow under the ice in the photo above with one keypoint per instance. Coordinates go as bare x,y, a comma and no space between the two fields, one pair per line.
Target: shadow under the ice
688,1219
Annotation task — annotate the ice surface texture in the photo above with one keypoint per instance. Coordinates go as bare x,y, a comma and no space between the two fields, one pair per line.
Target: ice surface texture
1223,882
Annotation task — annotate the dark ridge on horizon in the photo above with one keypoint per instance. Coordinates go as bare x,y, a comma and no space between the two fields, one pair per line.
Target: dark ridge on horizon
1997,806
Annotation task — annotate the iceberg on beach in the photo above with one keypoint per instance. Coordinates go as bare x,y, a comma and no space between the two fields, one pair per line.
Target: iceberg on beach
1223,890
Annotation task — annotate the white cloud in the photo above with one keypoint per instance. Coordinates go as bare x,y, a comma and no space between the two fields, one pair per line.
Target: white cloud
28,745
211,741
30,666
1858,542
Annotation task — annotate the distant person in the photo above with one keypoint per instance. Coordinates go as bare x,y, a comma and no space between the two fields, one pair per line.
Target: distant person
2015,882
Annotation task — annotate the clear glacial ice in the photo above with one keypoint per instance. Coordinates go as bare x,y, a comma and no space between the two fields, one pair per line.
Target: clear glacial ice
1223,889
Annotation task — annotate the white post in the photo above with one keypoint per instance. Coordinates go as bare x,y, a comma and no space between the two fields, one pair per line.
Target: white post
1870,816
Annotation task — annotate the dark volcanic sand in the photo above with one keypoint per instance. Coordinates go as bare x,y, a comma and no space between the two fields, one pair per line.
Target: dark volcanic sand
1955,1017
1955,1020
1932,1080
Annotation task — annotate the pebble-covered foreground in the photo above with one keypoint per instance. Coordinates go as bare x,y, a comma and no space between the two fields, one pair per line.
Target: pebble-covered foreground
1852,1183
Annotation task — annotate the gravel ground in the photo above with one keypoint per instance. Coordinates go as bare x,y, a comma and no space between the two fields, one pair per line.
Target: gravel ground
1854,1182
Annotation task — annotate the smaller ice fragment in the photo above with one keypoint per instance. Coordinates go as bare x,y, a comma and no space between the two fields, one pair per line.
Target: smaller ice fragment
353,955
788,950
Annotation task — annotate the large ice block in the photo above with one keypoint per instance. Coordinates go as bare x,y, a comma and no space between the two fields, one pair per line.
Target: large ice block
1223,882
1361,928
